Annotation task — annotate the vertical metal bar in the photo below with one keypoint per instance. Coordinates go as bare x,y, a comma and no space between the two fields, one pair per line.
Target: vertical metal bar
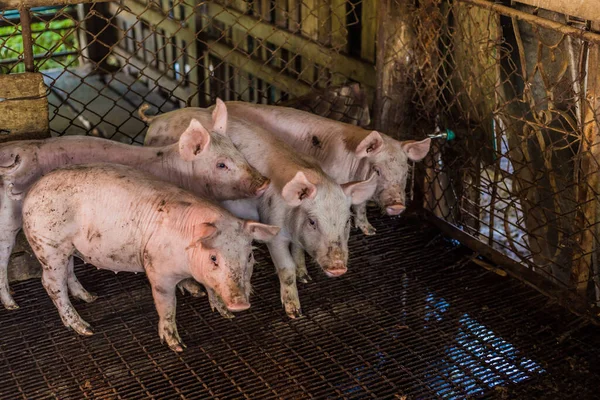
27,39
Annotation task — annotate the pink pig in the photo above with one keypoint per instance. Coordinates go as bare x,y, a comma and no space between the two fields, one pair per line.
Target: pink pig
122,219
310,207
207,164
345,152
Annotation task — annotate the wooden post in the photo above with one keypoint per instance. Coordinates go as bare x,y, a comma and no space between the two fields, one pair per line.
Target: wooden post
369,27
587,200
394,42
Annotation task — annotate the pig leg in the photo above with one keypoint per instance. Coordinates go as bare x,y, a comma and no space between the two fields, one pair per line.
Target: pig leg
10,216
75,287
165,301
286,270
55,264
216,303
360,219
192,287
300,261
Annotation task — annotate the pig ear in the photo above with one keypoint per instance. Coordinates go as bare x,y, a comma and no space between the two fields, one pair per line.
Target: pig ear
260,231
416,151
298,189
361,191
219,117
370,145
193,141
205,231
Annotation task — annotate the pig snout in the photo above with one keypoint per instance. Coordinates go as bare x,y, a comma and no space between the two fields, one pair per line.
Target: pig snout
338,268
395,209
238,305
334,264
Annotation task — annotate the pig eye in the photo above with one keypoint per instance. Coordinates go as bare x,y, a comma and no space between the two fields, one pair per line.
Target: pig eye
213,258
312,222
221,165
376,171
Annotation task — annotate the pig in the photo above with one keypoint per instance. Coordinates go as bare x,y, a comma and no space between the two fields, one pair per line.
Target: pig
312,210
122,219
345,152
208,164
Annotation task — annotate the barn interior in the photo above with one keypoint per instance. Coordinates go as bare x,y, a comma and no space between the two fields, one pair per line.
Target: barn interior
487,286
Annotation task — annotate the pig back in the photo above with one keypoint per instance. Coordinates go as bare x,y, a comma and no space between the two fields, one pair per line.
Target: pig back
110,213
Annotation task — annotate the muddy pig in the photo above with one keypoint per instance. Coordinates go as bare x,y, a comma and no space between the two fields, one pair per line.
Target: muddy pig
345,152
310,207
121,219
206,163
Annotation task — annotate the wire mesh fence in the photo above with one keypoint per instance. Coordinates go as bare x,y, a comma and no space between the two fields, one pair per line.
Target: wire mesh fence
103,60
518,85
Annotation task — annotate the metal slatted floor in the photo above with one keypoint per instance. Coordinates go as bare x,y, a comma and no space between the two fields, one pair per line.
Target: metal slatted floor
412,317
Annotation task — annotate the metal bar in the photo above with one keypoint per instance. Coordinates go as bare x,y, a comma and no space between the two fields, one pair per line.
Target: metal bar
534,19
585,9
18,4
27,39
41,57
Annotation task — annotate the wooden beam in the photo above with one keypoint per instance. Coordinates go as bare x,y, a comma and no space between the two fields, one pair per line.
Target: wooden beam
535,20
17,4
369,30
24,107
158,77
132,11
357,70
242,62
587,199
586,9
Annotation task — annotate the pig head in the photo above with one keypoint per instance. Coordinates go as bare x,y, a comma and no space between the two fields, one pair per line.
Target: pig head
389,159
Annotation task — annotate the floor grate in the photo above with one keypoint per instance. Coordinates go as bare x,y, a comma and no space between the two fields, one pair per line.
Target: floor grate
412,317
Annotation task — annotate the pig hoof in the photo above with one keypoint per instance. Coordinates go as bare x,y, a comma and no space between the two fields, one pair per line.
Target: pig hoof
82,328
305,278
293,311
11,306
192,287
225,313
369,231
87,297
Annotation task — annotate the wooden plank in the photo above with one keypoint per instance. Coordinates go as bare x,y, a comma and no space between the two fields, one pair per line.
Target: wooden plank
24,108
309,22
293,12
339,33
191,49
268,74
324,21
17,4
586,9
369,30
158,77
587,213
281,13
357,70
132,11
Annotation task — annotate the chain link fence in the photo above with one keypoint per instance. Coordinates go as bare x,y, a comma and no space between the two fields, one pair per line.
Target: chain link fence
103,60
519,86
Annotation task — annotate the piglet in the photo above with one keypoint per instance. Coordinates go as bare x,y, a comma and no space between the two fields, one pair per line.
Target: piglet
345,152
204,162
122,219
310,207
